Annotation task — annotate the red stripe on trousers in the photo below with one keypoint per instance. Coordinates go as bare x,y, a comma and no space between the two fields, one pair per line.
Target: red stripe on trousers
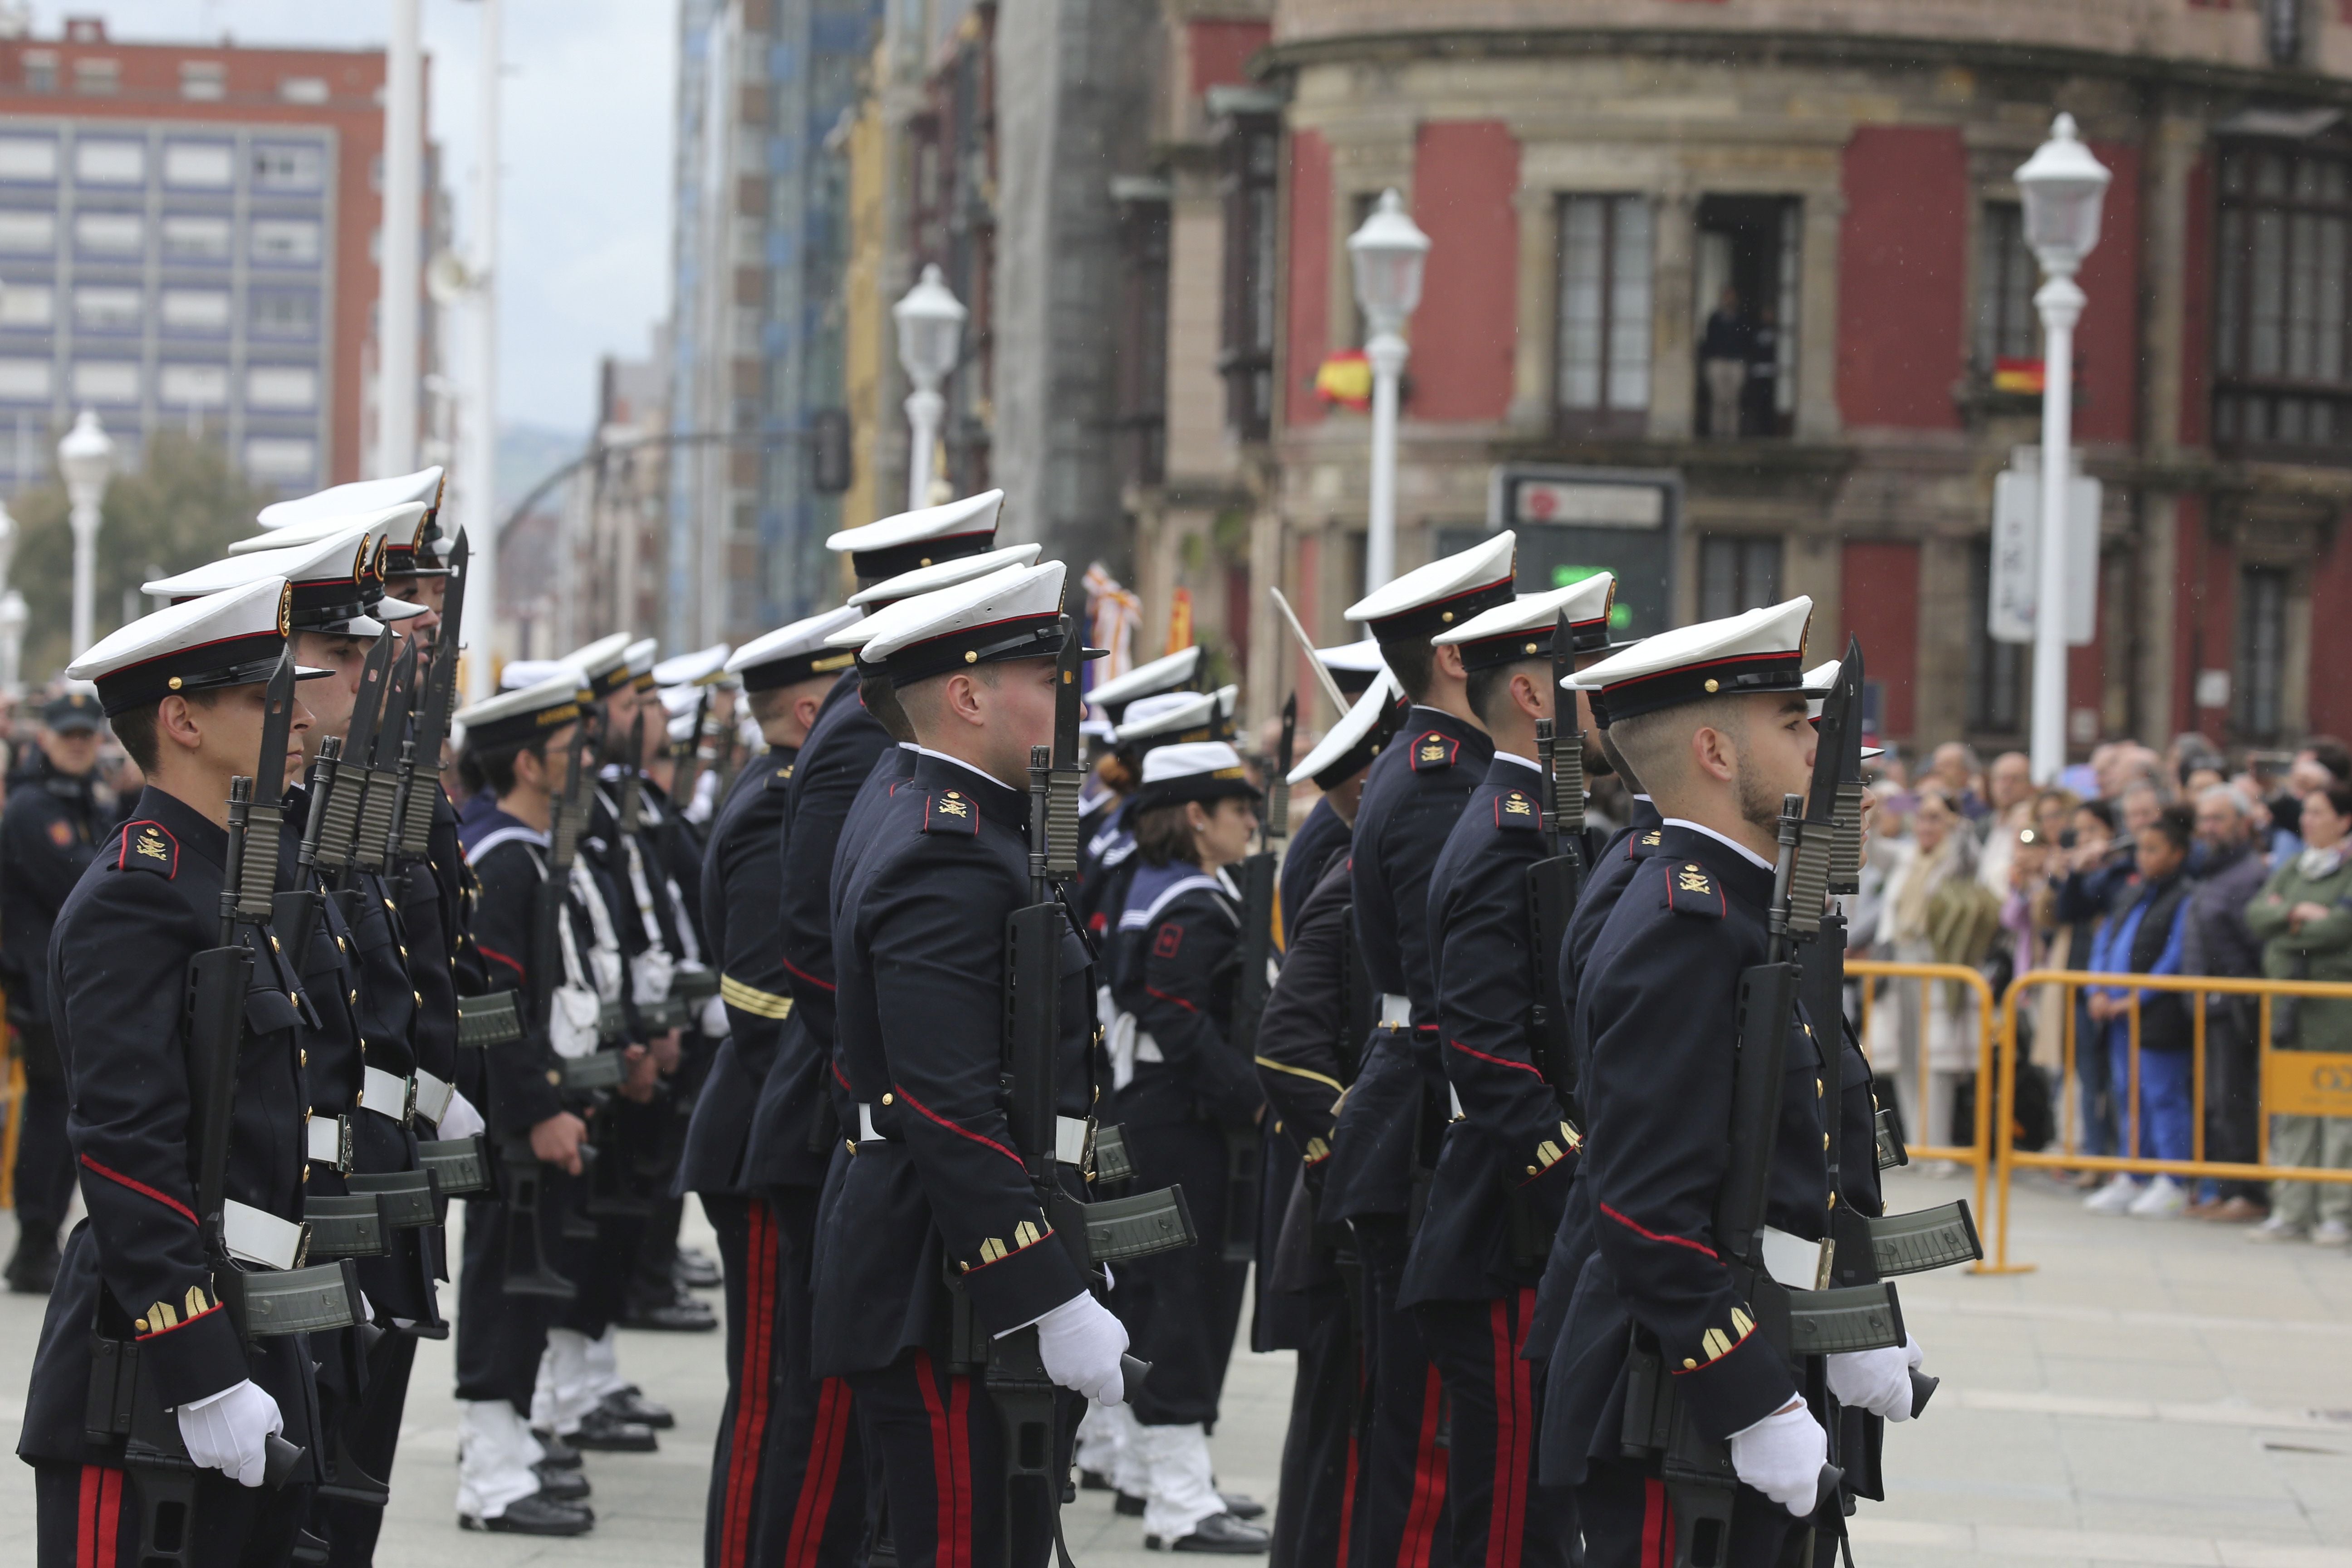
1507,1505
110,1517
751,1388
1657,1525
1523,1400
960,1433
85,1520
1428,1482
813,1509
943,1480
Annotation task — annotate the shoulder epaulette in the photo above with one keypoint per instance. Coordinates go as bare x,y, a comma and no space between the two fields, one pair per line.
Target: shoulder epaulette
1517,808
781,777
1434,750
1691,889
951,811
148,847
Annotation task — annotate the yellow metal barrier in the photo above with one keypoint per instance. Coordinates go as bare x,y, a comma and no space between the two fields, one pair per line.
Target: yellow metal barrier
2293,1083
1977,1154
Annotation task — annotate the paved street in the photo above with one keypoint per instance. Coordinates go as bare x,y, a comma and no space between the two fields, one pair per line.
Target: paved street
2152,1394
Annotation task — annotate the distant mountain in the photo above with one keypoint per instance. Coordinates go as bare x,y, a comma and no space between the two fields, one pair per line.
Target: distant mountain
527,454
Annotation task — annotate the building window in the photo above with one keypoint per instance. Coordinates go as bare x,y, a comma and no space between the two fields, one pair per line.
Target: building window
199,166
204,81
188,238
28,158
1602,371
111,163
1142,421
304,89
24,380
286,242
280,459
110,234
1996,669
288,166
98,78
1251,155
2282,356
281,387
26,307
2008,327
192,386
104,309
28,233
40,70
274,313
1736,573
2261,652
1745,305
195,311
106,381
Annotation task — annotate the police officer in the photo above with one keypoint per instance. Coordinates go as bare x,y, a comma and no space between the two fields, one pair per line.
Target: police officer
1501,1180
183,689
1386,1139
936,1216
776,1421
1712,719
48,835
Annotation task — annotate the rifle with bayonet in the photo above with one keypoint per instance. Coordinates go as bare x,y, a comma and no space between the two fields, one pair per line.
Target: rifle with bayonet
1785,1280
1557,881
279,1296
420,758
1261,921
1096,1232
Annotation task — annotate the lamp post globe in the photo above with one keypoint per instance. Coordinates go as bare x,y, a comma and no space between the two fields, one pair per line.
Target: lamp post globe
1387,254
7,545
85,459
930,340
12,616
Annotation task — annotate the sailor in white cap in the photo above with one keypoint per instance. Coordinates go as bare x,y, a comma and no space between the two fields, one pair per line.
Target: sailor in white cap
1188,1093
930,1196
184,688
1161,719
923,537
1712,719
523,744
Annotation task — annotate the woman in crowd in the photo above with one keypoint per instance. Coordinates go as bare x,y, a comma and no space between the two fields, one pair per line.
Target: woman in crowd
2303,918
1936,911
2143,936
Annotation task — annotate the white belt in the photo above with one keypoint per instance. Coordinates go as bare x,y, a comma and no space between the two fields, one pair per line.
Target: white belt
385,1094
257,1238
1798,1264
1069,1135
433,1096
328,1140
1396,1011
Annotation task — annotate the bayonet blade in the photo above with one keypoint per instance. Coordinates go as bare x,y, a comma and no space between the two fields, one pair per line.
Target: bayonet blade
1278,788
277,724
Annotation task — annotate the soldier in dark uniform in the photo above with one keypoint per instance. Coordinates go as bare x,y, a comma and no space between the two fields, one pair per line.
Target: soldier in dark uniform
763,1468
182,687
936,1213
1306,1059
1386,1140
1354,667
1712,719
48,836
1502,1172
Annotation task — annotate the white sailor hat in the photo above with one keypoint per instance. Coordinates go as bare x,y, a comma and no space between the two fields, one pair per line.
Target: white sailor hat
943,574
1525,627
794,653
1428,599
922,537
333,579
682,726
1171,672
1762,650
1173,717
1353,665
519,673
697,668
1008,615
1192,770
640,656
230,639
411,555
521,712
1348,747
1820,681
677,699
605,663
856,635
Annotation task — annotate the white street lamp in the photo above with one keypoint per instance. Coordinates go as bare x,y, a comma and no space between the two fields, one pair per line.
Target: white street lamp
1388,253
931,339
86,457
12,616
2062,187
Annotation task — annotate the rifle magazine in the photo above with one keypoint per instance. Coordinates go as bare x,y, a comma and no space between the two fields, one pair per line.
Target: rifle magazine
1926,1239
1120,1229
1851,1318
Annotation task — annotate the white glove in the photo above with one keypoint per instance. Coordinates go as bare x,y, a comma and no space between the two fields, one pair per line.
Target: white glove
1080,1343
225,1431
1911,1353
715,1022
1782,1456
461,1120
1877,1380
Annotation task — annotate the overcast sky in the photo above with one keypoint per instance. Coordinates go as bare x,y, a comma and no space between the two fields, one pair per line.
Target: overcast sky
584,211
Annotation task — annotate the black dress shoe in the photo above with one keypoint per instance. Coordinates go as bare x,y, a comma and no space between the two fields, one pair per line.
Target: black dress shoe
604,1433
1241,1506
696,1269
684,1315
631,1404
555,1454
1129,1505
535,1515
560,1485
1221,1534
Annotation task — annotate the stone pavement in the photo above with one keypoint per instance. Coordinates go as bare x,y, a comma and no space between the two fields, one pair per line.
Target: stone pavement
2153,1392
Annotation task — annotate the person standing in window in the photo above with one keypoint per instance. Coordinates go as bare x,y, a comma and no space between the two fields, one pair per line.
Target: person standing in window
1764,373
1724,352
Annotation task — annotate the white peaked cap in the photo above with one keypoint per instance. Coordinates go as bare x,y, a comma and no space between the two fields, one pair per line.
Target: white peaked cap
1009,614
640,655
678,700
334,589
1756,651
918,610
395,522
228,638
1187,758
605,662
526,709
422,487
794,653
1163,674
899,543
1525,626
1355,732
697,668
1429,599
521,673
1359,657
1175,713
944,575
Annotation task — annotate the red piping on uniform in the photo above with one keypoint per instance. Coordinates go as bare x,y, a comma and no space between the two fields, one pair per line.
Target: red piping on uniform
943,1479
143,1190
842,1079
1428,1482
805,975
959,1545
961,1132
1523,1404
1506,1505
751,1391
1498,1061
494,954
813,1507
1657,1525
1697,1247
1155,990
122,855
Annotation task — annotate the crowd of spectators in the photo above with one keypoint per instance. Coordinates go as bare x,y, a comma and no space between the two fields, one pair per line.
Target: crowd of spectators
2179,863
